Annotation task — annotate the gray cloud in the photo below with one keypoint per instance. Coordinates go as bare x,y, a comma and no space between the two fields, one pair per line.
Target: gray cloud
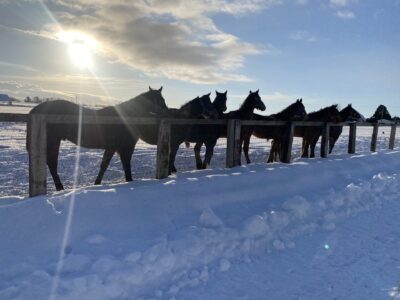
174,39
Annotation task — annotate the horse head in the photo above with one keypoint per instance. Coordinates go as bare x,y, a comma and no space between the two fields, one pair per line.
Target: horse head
208,109
350,114
255,101
155,98
299,111
220,102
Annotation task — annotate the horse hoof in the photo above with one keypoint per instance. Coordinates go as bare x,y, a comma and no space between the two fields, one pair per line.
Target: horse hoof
199,166
97,182
59,187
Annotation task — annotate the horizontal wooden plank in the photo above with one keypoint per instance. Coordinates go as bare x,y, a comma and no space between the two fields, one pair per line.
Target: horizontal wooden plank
69,119
9,117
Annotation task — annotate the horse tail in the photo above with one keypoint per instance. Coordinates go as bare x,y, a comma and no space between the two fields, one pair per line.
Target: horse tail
187,144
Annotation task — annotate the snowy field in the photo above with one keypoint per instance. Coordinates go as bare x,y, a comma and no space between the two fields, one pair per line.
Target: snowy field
314,229
14,158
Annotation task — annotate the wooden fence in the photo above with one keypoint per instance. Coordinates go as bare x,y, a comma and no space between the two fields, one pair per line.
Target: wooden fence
39,123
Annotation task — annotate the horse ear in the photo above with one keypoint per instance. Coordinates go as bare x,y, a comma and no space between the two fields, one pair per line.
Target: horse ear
250,92
209,94
160,90
226,92
257,91
150,89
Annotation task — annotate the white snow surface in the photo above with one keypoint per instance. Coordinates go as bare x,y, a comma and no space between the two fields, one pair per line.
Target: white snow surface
314,229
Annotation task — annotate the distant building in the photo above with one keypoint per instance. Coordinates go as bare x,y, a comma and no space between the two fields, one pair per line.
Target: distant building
5,99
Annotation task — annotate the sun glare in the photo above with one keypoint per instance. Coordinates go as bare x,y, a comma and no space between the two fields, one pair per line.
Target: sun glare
80,47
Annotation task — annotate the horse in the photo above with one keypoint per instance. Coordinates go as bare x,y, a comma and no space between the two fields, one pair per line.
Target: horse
346,114
199,107
294,112
245,112
210,133
311,134
192,133
112,138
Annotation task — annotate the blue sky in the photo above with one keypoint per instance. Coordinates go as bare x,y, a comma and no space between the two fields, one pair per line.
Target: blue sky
325,51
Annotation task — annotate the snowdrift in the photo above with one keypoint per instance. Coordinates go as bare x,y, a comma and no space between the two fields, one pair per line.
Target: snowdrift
174,238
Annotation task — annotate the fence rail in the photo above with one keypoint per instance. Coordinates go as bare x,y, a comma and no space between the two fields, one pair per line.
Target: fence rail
39,122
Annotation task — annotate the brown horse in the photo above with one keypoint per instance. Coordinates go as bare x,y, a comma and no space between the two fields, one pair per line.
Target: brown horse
112,138
245,112
210,135
311,134
199,107
346,114
294,112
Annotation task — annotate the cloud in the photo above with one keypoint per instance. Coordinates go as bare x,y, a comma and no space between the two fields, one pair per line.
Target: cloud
341,3
176,39
302,2
18,66
302,35
345,14
21,87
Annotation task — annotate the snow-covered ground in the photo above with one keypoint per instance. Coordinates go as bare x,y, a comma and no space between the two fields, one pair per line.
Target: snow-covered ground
314,229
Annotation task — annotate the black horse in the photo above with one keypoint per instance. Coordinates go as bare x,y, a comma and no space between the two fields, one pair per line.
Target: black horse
294,112
112,138
311,134
346,114
211,133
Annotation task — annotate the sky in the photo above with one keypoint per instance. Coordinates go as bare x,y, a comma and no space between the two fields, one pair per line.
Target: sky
104,52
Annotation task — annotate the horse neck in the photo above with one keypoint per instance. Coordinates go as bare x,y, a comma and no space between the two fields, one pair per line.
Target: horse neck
247,109
283,115
318,115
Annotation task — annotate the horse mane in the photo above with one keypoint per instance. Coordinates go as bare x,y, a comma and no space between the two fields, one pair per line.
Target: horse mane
285,110
324,109
188,103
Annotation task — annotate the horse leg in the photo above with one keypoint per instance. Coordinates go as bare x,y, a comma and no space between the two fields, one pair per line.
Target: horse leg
312,146
126,156
304,148
246,144
271,153
107,156
53,148
172,155
209,153
197,149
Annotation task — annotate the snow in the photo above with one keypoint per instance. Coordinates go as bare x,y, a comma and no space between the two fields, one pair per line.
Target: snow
314,229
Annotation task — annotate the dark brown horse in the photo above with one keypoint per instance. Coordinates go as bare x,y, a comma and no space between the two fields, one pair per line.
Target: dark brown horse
199,107
112,138
346,114
311,134
245,112
210,134
294,112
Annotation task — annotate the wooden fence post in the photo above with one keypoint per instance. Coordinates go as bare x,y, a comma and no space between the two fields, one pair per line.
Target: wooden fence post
374,137
163,150
352,138
37,155
233,144
325,140
287,143
392,136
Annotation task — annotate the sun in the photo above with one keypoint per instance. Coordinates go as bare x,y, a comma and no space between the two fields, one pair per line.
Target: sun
80,47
